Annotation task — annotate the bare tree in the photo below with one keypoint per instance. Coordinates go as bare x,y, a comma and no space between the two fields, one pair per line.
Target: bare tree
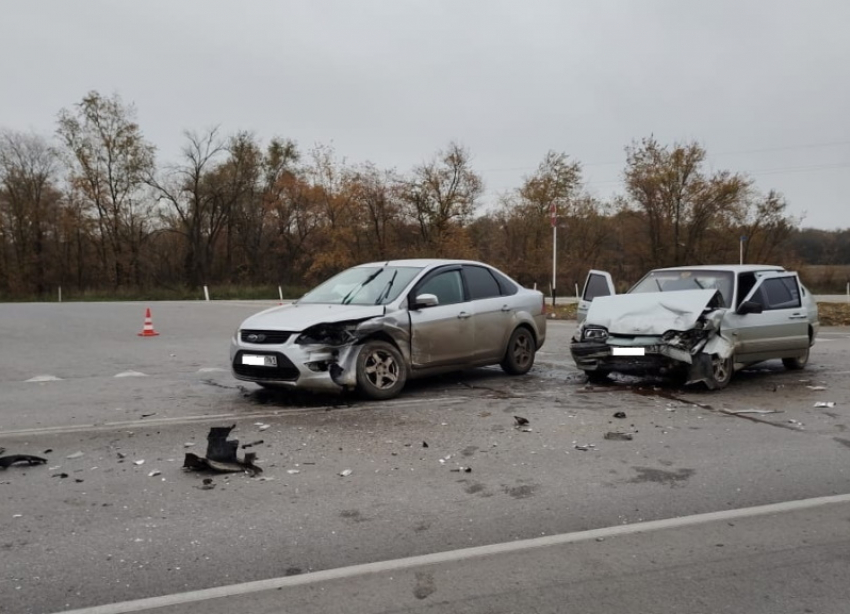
441,196
109,160
28,200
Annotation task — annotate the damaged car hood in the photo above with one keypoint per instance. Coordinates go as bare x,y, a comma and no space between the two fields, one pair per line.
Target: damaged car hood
650,313
297,317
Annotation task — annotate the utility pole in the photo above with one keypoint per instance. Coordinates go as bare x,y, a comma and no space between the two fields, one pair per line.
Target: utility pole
553,214
741,250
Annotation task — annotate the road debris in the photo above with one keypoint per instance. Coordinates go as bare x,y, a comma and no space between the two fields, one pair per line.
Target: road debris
615,436
345,473
221,455
585,447
520,421
13,459
208,484
620,414
62,475
74,455
139,462
424,444
154,473
816,387
463,469
825,404
252,444
293,471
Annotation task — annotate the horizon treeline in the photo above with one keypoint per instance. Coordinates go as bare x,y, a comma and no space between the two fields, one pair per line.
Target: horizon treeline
90,208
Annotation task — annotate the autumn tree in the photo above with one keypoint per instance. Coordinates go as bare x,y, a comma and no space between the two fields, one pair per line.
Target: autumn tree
440,197
28,204
195,207
678,200
109,160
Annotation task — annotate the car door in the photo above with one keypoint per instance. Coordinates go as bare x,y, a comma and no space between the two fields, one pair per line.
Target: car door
598,283
441,334
493,313
782,328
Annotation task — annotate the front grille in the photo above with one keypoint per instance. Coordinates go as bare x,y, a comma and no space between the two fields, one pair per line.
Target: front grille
284,371
265,337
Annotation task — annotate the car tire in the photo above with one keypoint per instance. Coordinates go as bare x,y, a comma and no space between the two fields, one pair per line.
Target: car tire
597,377
519,357
796,363
381,372
721,372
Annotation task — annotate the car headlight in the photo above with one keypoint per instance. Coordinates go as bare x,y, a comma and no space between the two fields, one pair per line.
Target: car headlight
594,333
327,334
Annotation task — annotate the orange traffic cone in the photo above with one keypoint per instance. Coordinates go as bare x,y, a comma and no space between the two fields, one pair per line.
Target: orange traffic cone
148,330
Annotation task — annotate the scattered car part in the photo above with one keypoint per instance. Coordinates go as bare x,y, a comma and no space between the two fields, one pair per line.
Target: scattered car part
14,459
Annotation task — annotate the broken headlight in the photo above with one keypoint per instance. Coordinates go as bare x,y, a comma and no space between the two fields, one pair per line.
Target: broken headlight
594,333
684,339
327,334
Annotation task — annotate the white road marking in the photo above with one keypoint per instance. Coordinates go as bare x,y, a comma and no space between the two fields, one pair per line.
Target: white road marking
44,378
245,588
131,424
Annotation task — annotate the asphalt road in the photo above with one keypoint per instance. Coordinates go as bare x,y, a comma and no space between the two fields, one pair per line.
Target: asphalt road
114,530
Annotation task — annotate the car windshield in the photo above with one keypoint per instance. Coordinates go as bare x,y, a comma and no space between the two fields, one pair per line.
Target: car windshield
363,285
686,279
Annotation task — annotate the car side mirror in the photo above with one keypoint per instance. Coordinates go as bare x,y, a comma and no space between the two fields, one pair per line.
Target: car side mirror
426,300
749,307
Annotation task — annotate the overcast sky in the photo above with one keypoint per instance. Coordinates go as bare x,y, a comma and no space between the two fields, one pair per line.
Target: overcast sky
764,85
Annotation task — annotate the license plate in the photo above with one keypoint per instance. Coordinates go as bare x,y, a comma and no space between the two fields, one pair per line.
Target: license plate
259,361
628,351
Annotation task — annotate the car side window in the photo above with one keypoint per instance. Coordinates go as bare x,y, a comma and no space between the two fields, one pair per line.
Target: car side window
779,293
596,286
481,283
447,287
746,281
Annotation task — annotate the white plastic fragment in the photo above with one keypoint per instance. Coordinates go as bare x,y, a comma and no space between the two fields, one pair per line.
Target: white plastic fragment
294,471
139,462
154,473
816,387
345,473
825,404
265,426
74,455
188,444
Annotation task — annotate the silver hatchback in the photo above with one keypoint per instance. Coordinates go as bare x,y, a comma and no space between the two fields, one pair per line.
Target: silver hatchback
374,326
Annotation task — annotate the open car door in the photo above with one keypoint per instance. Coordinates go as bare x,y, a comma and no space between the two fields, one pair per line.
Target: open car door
781,328
598,283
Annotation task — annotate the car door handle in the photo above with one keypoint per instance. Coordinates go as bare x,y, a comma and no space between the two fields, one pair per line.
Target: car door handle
797,316
505,308
463,315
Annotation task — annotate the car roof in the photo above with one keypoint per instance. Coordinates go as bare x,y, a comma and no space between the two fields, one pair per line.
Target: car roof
734,268
420,263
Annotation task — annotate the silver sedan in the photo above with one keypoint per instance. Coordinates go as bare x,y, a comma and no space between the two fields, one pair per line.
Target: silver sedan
374,326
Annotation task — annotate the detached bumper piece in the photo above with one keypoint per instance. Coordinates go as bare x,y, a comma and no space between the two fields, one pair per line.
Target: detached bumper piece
657,359
221,455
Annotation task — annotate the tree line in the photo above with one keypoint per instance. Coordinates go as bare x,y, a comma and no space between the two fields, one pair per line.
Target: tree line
90,208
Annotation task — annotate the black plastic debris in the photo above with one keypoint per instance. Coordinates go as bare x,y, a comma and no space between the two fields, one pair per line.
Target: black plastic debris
424,444
520,421
620,414
252,444
615,436
221,455
14,459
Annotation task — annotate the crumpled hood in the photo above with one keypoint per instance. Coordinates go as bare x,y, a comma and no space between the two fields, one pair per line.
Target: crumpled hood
650,313
298,317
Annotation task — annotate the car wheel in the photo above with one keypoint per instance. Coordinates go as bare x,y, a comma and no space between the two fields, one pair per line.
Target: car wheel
381,372
519,357
597,377
796,363
721,372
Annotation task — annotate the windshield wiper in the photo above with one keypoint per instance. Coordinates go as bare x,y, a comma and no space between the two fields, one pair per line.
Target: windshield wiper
351,293
386,291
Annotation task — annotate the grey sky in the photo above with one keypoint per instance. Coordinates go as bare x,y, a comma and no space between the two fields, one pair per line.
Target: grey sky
764,85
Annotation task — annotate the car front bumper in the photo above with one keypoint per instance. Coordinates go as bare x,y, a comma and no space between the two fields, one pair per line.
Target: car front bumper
318,368
657,357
